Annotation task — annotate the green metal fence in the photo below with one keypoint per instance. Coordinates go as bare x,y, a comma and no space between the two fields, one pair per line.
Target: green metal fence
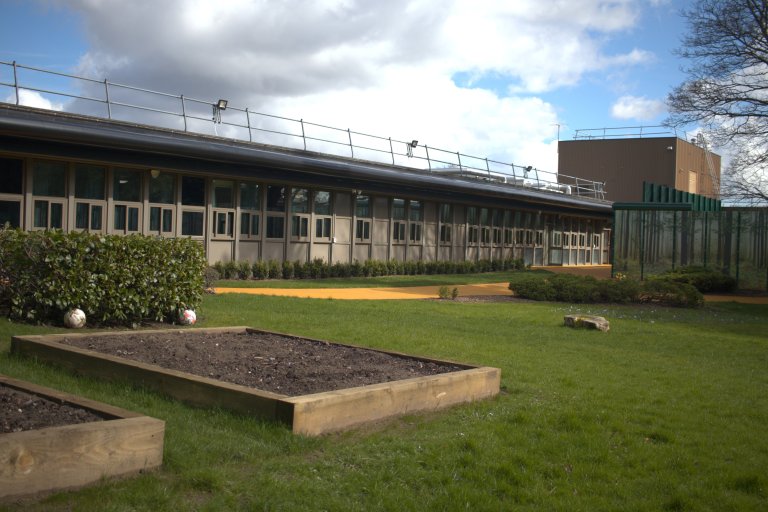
649,239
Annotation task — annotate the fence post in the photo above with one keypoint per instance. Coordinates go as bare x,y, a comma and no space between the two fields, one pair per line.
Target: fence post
109,105
429,162
351,148
15,82
391,151
458,155
184,112
303,136
248,122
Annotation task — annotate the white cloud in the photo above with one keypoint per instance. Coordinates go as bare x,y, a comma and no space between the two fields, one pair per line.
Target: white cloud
637,108
34,99
376,67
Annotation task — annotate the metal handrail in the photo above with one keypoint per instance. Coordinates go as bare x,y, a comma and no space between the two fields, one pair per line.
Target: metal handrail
521,176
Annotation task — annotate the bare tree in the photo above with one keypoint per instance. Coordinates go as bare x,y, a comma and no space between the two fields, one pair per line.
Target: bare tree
726,91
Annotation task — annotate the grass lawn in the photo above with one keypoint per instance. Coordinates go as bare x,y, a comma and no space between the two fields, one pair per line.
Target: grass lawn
668,411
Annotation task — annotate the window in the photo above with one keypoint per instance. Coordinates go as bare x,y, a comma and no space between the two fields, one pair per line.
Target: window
162,193
363,206
223,203
10,213
557,239
90,185
11,189
48,214
192,223
322,203
275,227
90,181
582,240
12,170
398,218
539,240
160,219
88,216
49,178
126,185
126,191
363,230
445,233
126,218
472,229
415,215
363,225
299,213
528,237
192,191
446,222
275,203
485,230
322,210
299,226
519,236
275,198
595,241
250,210
398,231
323,227
162,188
508,230
193,202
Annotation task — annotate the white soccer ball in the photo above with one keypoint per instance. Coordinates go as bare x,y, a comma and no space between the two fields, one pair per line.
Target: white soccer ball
187,317
74,318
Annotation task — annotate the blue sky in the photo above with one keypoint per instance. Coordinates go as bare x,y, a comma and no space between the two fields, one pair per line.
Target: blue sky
483,77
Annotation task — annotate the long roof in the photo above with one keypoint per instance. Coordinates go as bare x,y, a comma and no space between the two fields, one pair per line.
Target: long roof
66,135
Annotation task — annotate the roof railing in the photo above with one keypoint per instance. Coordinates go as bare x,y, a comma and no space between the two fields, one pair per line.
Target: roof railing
112,100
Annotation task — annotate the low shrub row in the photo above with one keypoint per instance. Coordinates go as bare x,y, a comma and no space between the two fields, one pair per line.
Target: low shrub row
584,289
704,279
319,269
115,280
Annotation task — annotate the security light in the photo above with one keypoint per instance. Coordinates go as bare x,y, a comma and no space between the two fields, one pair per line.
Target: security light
222,104
414,143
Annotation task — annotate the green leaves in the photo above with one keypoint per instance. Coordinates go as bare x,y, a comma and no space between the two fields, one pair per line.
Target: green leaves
114,279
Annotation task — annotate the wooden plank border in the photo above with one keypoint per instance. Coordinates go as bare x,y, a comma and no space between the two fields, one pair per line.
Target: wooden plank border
71,456
313,414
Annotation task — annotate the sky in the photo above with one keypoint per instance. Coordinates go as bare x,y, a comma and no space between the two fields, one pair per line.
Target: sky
496,79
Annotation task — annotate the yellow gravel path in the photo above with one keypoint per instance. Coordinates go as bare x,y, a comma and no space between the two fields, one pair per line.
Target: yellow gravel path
415,292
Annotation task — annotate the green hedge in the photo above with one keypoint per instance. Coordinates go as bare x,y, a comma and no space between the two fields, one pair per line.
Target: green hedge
319,269
548,286
115,280
704,279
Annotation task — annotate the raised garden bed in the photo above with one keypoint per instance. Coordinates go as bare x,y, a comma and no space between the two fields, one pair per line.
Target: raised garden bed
52,440
312,386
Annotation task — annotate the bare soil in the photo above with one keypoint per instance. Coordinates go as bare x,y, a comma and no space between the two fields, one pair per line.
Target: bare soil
21,411
281,364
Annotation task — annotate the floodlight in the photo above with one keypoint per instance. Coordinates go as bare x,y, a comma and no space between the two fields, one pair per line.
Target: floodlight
222,104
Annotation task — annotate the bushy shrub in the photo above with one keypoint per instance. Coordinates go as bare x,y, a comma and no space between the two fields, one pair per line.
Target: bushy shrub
115,280
211,276
548,286
704,279
319,269
260,269
274,269
289,269
670,293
